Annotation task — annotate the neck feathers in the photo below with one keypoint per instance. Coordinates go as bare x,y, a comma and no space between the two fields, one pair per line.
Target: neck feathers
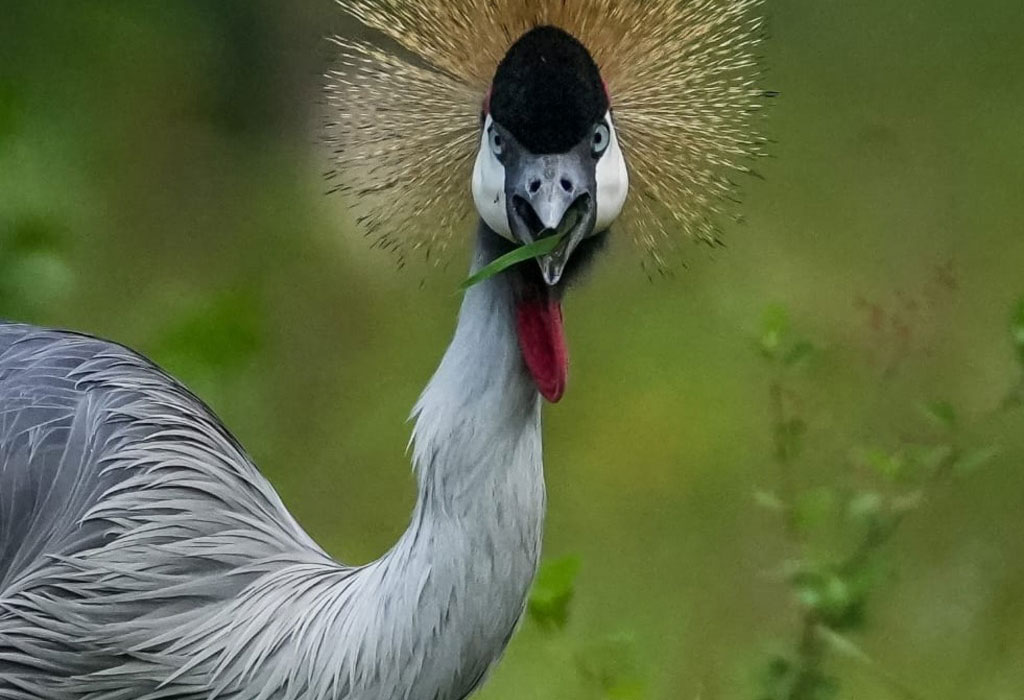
480,410
460,575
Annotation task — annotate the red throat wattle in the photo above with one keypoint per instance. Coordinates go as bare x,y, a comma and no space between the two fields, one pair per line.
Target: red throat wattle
542,341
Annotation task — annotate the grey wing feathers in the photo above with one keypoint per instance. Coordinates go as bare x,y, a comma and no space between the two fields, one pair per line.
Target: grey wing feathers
129,519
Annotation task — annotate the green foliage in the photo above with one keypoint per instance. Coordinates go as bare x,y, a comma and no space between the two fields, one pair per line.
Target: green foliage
776,342
798,352
941,413
608,665
553,591
833,588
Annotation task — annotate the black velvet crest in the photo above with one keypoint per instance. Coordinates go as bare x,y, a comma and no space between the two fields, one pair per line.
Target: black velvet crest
548,91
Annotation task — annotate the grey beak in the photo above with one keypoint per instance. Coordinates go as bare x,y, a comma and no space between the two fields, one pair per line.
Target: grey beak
553,264
552,195
551,200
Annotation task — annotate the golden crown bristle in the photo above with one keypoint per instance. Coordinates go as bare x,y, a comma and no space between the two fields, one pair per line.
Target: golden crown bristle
682,75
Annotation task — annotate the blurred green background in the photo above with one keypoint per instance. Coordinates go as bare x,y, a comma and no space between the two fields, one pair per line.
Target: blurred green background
160,184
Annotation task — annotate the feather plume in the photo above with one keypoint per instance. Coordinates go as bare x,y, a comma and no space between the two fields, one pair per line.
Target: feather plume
684,84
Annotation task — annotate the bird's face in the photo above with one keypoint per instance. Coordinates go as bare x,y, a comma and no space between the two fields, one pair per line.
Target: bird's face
549,161
549,164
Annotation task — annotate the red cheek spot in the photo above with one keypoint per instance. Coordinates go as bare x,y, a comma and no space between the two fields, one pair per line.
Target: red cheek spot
607,92
487,101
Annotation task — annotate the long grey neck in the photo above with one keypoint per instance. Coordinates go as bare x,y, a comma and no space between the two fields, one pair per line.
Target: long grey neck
481,399
264,613
455,584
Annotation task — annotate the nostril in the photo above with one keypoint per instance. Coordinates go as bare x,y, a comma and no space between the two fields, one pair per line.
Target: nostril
534,186
566,184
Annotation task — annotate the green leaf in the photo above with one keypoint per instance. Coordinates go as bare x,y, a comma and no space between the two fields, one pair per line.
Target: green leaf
807,582
798,353
553,592
838,601
513,257
942,413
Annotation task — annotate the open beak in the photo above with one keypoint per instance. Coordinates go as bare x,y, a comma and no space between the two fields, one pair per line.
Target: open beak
552,196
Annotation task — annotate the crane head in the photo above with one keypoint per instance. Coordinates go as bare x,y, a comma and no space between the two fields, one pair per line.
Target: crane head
543,153
407,131
548,164
549,161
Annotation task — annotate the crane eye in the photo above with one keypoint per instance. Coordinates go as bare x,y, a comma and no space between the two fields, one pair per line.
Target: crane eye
602,137
497,143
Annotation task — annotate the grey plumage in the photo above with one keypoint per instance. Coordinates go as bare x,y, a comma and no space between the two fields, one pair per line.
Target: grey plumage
142,555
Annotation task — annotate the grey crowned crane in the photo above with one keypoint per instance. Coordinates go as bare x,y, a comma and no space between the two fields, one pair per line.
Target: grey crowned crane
142,554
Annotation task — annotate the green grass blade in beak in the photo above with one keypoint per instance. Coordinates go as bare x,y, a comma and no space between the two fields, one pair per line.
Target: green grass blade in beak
514,257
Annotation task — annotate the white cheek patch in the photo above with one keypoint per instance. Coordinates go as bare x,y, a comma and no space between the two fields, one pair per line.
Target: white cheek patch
489,186
612,181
